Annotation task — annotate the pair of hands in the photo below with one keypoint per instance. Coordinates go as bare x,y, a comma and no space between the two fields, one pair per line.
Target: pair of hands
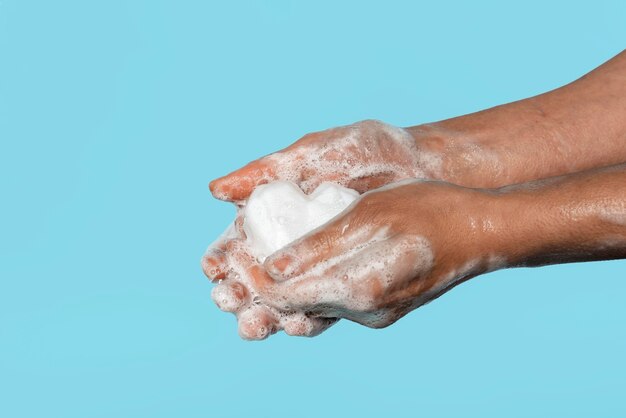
406,241
403,243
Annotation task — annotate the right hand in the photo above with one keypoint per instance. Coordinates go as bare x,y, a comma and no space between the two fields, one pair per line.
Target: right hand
393,250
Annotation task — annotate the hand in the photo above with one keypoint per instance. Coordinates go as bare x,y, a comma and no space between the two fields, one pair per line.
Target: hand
398,248
362,156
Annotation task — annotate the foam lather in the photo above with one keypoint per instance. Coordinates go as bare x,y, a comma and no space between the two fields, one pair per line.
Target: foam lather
279,213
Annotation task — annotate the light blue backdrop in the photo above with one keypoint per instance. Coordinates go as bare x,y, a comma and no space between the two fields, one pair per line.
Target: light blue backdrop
114,115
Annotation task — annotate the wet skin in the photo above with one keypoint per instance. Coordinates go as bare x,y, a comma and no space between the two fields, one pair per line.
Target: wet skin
436,234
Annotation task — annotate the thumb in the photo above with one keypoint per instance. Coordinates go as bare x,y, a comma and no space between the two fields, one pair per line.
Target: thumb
240,183
334,241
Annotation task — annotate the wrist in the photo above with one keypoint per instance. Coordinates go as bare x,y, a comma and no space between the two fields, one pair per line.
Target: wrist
469,227
508,144
467,156
513,226
524,223
548,221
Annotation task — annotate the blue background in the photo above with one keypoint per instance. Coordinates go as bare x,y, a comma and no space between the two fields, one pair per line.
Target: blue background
114,115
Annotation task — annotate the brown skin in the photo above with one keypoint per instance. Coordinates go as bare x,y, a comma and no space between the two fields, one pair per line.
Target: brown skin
574,218
576,127
580,217
581,126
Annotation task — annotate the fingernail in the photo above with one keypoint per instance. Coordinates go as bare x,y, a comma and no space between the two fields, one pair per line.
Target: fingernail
282,266
211,265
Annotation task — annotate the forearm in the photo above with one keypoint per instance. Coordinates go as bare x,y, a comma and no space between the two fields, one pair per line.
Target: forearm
577,127
580,217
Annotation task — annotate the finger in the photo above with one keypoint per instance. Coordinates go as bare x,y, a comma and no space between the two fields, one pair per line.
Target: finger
239,220
239,184
305,326
256,323
230,297
239,257
304,292
360,282
214,261
261,281
214,264
339,238
226,258
320,294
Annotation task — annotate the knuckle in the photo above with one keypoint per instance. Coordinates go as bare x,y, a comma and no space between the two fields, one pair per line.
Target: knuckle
368,296
306,139
371,302
368,123
323,243
370,202
382,320
362,301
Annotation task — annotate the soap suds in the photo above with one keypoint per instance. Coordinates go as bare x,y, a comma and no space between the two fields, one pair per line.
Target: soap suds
275,215
366,154
278,213
358,284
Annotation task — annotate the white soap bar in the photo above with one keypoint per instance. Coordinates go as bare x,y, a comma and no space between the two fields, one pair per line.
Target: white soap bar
279,213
